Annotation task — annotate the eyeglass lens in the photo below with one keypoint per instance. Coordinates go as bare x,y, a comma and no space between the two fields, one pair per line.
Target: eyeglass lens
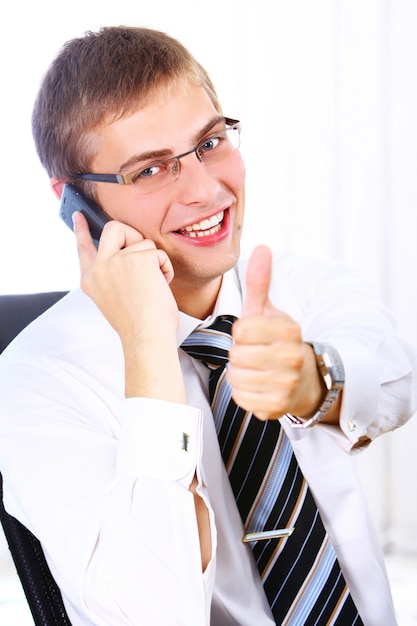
210,151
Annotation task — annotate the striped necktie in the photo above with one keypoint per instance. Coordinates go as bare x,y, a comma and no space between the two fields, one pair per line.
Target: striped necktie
300,574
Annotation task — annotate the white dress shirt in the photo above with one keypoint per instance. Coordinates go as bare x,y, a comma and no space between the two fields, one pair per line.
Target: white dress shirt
103,481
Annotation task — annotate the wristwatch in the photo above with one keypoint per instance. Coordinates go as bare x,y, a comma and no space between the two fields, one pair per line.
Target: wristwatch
332,372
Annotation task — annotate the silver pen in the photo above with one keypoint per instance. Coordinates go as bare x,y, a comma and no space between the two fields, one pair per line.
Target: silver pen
268,534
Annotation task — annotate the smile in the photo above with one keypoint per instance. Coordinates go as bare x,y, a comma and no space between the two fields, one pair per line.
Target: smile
205,228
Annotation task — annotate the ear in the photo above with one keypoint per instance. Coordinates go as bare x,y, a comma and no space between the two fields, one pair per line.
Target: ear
57,186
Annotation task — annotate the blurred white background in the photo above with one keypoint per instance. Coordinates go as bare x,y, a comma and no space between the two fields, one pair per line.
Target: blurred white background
327,95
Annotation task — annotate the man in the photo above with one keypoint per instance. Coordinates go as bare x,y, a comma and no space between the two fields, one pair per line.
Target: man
109,449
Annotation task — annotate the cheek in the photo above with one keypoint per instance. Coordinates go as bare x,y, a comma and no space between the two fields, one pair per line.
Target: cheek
235,178
123,204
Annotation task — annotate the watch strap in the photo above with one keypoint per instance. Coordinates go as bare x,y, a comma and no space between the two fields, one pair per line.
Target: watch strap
331,371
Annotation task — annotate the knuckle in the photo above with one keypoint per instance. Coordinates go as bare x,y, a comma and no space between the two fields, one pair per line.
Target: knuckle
238,330
86,284
263,417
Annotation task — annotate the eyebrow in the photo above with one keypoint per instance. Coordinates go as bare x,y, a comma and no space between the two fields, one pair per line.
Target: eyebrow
164,154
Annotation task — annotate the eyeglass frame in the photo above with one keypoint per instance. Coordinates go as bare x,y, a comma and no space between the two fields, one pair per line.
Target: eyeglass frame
126,179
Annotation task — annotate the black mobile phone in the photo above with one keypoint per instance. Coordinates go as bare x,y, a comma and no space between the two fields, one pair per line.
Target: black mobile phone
73,199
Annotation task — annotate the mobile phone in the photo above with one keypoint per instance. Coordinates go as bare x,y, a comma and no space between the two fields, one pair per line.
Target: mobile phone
73,199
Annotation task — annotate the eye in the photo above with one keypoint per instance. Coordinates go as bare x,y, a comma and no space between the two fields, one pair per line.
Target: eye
151,171
147,172
210,144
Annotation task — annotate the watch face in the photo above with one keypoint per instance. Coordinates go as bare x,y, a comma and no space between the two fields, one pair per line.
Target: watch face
329,364
337,369
331,369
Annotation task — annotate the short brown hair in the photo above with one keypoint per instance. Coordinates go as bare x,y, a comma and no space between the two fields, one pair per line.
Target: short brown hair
99,78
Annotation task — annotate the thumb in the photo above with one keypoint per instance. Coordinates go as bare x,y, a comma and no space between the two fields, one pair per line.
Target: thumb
258,280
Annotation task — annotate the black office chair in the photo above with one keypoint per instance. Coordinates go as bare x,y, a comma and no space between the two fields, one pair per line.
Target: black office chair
41,591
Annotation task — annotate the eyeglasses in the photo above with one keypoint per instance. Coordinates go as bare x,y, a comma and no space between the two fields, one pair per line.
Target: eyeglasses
211,150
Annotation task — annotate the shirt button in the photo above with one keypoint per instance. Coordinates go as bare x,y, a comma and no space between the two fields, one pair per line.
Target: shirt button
352,425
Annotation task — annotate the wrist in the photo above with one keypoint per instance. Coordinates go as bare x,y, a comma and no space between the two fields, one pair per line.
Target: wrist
330,371
154,373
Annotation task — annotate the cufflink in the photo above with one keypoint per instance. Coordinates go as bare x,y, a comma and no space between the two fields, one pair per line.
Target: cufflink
185,441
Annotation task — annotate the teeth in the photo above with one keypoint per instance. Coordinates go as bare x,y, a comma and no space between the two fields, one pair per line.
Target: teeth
205,225
203,233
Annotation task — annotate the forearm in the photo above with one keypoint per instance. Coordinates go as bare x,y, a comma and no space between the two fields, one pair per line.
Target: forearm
312,391
158,376
152,370
379,392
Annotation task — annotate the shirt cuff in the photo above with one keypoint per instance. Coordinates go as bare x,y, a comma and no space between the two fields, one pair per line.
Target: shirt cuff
159,439
360,394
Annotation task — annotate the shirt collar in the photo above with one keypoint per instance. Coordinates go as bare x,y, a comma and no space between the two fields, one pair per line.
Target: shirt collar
229,302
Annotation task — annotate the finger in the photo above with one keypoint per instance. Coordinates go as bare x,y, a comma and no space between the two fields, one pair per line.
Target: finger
163,259
87,250
256,381
267,329
263,406
278,356
258,280
165,265
116,236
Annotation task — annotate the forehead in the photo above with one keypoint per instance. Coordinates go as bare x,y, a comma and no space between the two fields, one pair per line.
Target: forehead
169,121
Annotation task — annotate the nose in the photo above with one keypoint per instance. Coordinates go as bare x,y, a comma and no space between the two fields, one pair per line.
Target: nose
197,183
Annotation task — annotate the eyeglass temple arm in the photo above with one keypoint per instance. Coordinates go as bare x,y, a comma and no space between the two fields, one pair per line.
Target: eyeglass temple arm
104,178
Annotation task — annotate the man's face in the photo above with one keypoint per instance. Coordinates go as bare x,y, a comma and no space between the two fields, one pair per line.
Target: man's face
171,124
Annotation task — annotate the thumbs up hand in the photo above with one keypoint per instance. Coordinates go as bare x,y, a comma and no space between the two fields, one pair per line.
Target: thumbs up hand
272,371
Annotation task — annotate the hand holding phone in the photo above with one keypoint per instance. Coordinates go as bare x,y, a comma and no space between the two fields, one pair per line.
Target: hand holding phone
73,199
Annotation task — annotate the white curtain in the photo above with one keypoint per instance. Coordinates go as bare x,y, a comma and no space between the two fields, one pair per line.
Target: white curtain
327,94
330,98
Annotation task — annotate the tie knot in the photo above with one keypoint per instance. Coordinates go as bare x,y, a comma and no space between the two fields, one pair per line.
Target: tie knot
212,343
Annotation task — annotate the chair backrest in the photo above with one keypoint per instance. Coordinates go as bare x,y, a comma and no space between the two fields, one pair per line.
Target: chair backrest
41,591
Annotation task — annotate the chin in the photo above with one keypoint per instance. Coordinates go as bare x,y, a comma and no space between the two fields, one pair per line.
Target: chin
204,271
